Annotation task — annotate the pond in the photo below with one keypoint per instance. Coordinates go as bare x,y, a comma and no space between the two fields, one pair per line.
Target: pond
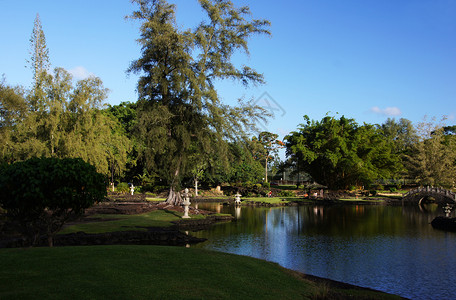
388,248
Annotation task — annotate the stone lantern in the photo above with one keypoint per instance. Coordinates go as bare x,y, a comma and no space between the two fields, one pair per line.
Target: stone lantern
186,204
237,200
448,208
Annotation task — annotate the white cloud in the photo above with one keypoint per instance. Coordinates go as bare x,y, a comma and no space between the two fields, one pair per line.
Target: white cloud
80,73
389,111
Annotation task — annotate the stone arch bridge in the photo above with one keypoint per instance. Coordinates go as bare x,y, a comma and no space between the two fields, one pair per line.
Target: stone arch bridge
439,194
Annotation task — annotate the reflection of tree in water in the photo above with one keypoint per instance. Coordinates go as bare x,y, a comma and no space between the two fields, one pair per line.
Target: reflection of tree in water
252,220
335,220
364,220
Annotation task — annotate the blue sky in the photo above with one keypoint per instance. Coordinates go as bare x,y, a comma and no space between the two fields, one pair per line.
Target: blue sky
365,59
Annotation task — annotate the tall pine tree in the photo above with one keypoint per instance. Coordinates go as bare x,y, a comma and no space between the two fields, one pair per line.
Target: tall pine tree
39,63
179,106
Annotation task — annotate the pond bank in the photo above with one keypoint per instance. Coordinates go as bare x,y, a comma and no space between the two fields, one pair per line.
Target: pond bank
127,223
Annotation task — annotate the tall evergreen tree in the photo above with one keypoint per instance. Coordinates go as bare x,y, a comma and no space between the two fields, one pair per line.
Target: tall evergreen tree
179,105
39,63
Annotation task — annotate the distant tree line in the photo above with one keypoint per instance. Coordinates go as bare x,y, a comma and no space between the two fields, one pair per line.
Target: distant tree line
340,153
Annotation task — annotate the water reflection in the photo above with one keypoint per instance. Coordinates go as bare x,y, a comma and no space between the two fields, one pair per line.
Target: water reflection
237,212
393,249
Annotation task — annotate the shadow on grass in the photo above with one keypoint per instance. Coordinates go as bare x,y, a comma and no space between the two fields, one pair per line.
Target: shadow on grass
172,212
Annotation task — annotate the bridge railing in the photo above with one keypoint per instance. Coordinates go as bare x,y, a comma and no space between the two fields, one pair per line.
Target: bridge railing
431,189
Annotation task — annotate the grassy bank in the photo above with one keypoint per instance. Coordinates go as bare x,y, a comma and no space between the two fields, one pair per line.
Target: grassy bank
111,223
153,272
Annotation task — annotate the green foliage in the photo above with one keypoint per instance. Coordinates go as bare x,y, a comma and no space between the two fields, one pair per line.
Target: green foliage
12,105
401,134
126,113
70,123
265,148
41,194
340,153
266,185
122,187
431,161
243,166
286,193
393,189
248,185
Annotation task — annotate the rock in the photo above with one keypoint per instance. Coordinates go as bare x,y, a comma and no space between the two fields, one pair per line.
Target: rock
444,223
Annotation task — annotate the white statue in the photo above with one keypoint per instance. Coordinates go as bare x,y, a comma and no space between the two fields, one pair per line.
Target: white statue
186,204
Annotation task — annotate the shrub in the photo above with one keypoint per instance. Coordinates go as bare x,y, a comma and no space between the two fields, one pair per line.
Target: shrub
266,185
160,188
352,188
286,193
122,187
258,187
393,189
248,185
373,192
41,194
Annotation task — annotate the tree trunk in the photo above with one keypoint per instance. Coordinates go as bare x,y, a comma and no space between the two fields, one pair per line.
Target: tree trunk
174,197
196,187
50,240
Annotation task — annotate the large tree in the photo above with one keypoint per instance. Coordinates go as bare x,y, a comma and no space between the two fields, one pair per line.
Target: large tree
432,160
267,148
400,133
340,153
179,106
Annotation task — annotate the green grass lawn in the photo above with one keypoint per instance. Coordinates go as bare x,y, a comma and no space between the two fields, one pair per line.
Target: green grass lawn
154,199
157,218
152,272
